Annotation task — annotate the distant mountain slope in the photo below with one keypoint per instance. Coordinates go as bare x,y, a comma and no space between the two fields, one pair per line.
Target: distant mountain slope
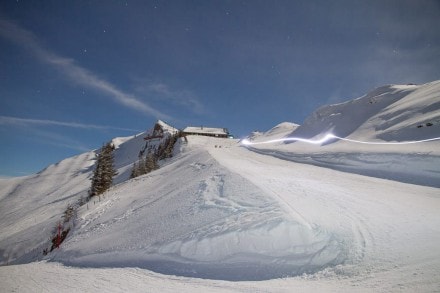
397,113
279,131
388,113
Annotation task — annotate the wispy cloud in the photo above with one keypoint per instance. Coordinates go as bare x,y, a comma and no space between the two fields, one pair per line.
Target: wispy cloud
15,121
58,140
74,72
164,92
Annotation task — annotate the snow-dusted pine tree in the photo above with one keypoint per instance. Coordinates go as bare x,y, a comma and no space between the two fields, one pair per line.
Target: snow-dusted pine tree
134,171
151,163
104,171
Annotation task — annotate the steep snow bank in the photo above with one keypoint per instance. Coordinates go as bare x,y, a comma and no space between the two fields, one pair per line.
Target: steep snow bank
31,207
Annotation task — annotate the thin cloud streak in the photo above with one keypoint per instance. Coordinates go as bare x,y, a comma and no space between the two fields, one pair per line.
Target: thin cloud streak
7,120
159,90
74,72
58,140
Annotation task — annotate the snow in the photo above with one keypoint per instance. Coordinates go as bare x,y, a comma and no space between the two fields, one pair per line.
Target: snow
221,217
279,131
386,115
32,206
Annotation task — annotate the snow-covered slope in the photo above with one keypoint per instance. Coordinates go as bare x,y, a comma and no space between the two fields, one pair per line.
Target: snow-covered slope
128,148
221,212
195,217
279,131
32,206
388,114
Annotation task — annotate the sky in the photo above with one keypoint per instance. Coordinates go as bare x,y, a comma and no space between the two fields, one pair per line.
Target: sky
75,74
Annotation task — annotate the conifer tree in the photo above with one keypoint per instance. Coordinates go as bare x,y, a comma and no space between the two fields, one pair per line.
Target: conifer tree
104,171
134,171
170,146
151,163
165,149
141,169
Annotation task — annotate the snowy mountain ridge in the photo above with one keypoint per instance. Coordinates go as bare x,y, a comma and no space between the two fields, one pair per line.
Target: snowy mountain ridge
218,210
388,114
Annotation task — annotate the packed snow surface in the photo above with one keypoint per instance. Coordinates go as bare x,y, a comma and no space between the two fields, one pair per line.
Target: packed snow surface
219,212
207,221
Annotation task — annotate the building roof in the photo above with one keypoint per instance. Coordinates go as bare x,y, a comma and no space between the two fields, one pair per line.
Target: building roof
206,130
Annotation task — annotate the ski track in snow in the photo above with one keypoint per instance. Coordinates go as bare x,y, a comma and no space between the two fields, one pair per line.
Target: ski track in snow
359,231
342,230
246,216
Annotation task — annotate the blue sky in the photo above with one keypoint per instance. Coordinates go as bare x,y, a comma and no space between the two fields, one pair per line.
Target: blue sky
74,74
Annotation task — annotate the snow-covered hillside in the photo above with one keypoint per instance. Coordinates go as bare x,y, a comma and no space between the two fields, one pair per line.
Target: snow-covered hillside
32,206
219,211
388,114
281,130
194,217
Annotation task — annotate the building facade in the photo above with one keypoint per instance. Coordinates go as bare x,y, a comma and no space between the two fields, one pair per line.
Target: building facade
206,131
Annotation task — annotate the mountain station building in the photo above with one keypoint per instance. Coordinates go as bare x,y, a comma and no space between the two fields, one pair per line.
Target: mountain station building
207,131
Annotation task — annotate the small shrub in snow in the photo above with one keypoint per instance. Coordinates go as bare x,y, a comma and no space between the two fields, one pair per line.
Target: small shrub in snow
69,213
